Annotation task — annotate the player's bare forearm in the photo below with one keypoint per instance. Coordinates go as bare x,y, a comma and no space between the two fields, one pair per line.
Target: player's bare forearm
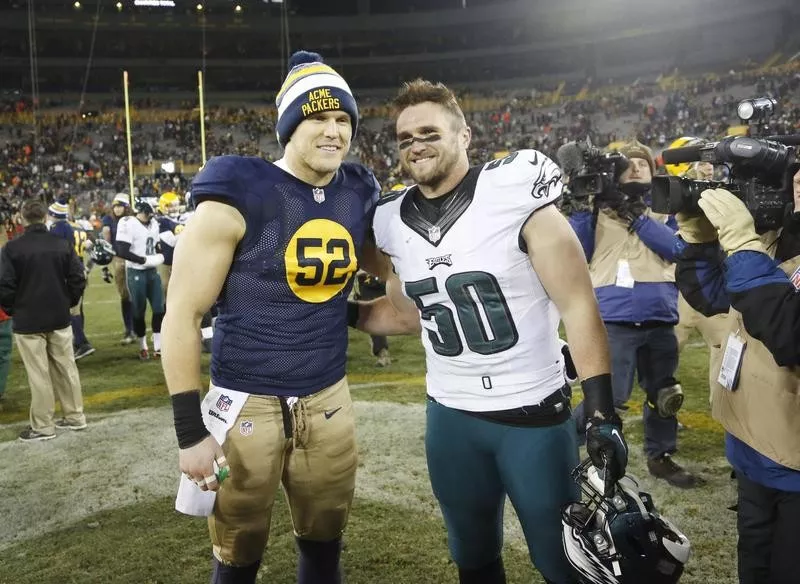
381,318
200,265
559,261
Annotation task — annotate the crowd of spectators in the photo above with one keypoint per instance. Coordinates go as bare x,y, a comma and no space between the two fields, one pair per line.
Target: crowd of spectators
83,156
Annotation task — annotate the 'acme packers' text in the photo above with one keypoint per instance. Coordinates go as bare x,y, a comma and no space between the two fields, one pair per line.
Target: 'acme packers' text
320,100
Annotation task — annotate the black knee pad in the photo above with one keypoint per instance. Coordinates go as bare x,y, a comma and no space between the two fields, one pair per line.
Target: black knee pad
223,574
493,573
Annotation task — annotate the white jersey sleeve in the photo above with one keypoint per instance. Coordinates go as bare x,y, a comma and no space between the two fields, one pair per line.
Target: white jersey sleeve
526,180
125,230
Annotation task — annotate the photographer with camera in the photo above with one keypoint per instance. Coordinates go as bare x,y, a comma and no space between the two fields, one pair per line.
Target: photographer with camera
630,251
726,267
711,328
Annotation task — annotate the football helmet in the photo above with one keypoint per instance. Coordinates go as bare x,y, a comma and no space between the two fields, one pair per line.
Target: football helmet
620,539
143,206
102,252
169,204
681,168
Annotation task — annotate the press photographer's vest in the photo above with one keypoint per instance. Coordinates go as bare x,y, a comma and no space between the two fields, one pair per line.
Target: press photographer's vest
764,410
614,242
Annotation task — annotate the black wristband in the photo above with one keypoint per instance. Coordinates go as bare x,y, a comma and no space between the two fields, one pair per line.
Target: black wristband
189,426
598,399
352,314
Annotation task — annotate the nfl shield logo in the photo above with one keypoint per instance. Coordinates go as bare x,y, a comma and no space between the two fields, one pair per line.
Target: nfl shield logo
245,427
796,279
319,195
224,403
434,233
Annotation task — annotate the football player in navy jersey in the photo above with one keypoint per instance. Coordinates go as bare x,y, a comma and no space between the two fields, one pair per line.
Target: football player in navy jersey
169,228
276,247
481,262
61,226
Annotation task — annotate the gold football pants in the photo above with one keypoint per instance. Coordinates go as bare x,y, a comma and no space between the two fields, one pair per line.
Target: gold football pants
309,448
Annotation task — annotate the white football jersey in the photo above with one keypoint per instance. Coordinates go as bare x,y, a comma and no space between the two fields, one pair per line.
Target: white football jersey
143,238
489,329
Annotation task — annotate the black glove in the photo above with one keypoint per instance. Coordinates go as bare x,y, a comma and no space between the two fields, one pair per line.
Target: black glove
107,275
628,207
631,209
605,442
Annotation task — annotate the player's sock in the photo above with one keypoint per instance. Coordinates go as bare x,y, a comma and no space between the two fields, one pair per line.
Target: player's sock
157,342
143,343
319,561
493,573
77,331
223,574
127,315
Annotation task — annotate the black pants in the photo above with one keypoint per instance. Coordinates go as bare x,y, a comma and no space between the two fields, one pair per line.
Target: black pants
769,529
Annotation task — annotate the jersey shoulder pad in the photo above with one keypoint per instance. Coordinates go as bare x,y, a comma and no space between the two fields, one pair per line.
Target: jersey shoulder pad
361,179
62,229
359,172
223,178
392,196
527,176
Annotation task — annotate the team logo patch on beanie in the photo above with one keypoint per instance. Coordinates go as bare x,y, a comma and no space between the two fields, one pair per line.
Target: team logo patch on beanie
320,100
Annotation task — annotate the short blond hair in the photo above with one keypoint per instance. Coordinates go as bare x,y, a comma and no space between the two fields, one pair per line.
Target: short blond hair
422,91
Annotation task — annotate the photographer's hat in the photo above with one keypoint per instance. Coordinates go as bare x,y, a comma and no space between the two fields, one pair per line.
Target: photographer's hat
635,149
311,87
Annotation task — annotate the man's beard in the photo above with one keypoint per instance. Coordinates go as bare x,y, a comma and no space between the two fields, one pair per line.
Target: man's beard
434,177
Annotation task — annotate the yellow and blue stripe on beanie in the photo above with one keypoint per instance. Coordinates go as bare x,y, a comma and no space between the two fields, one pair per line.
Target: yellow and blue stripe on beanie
311,87
59,210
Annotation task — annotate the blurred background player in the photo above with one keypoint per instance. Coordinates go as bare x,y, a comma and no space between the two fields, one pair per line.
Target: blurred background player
169,208
120,207
59,213
137,238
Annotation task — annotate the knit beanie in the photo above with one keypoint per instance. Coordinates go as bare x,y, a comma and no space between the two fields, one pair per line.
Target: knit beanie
311,87
59,210
635,149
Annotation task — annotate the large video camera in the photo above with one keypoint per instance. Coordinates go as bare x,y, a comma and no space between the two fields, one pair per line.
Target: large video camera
589,170
761,171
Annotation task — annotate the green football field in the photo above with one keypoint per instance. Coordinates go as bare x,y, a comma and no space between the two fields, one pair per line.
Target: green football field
97,506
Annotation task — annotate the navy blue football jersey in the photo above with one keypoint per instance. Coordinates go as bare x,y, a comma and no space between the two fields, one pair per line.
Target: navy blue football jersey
168,225
282,324
111,222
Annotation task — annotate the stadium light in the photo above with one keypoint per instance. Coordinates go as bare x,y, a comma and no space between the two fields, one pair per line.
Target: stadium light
238,9
199,7
77,5
119,6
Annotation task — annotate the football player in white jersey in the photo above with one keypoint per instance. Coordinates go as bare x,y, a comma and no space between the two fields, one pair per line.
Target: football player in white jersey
137,241
483,262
